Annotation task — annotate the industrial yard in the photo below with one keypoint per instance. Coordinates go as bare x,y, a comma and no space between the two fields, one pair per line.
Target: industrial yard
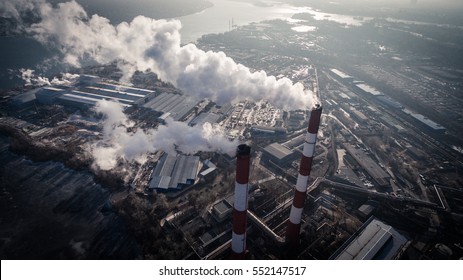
367,173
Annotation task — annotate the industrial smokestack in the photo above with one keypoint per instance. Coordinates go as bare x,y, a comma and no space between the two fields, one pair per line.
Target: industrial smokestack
243,156
294,223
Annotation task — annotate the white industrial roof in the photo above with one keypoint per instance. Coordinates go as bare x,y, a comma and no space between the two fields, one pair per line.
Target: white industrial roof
376,241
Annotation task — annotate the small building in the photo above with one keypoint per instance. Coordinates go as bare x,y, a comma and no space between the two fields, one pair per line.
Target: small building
366,210
221,211
211,168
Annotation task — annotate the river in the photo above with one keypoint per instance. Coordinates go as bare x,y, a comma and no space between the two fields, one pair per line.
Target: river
22,52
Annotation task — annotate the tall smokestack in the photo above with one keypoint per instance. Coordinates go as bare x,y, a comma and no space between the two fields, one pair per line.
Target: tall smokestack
294,223
243,156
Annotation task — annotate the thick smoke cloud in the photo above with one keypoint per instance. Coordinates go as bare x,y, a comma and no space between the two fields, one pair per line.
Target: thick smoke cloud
148,44
119,142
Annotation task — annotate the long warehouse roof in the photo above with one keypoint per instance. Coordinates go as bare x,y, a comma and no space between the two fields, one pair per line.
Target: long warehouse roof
375,241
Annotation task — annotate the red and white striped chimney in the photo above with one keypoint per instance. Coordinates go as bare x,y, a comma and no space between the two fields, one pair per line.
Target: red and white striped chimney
243,157
294,222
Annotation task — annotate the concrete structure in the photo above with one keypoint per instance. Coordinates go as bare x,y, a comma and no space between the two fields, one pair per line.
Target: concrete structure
375,240
243,158
173,173
294,222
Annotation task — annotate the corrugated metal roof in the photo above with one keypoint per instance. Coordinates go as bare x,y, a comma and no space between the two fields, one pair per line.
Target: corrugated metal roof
376,241
100,96
177,170
162,182
140,91
177,105
277,150
79,98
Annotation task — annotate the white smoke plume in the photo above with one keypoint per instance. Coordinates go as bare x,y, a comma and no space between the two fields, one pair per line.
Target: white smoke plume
121,143
31,79
148,44
17,8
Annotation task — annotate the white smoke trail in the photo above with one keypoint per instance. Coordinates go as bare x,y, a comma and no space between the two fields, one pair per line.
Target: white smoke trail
120,144
148,44
31,79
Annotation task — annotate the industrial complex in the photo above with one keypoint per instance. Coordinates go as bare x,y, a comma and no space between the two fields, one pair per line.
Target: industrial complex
363,174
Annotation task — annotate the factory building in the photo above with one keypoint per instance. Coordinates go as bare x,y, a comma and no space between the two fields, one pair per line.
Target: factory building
364,88
295,142
205,117
278,154
90,90
341,75
375,240
370,166
393,124
48,95
178,106
221,211
211,168
389,102
358,115
173,173
425,122
267,130
24,100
